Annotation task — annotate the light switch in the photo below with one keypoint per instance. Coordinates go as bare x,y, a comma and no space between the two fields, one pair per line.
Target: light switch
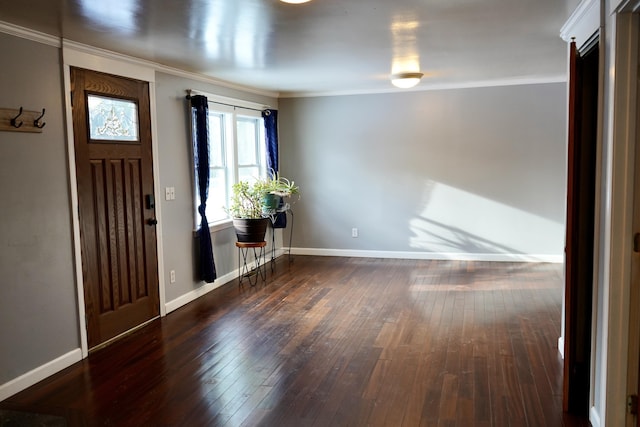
169,193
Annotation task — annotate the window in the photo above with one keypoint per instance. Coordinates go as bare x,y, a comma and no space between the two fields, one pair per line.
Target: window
236,153
112,119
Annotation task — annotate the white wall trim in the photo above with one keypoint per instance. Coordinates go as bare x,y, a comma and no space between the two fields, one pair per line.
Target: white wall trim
220,281
210,80
515,81
75,220
429,255
198,292
621,73
28,34
561,345
80,56
616,6
91,58
154,66
48,39
212,97
162,295
594,417
38,374
583,23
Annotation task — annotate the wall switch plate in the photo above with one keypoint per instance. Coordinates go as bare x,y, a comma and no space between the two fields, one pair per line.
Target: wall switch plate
170,193
172,275
354,232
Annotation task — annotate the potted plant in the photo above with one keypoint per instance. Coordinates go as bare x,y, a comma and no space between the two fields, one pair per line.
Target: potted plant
249,210
276,188
246,211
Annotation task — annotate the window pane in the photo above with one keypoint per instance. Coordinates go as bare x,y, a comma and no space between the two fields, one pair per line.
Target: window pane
249,174
216,138
112,119
217,196
247,141
236,152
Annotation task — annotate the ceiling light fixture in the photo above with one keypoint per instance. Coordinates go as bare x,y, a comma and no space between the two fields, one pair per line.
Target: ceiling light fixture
406,80
295,1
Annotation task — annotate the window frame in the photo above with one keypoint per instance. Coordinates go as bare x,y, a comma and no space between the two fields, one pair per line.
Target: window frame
230,114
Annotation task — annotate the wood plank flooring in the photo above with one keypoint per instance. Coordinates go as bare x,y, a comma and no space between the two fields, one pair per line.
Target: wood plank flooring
335,342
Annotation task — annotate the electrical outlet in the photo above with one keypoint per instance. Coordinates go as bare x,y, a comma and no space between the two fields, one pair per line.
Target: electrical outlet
354,232
172,275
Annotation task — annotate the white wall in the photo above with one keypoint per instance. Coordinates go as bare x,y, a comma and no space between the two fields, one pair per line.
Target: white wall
415,172
475,173
175,166
39,322
38,309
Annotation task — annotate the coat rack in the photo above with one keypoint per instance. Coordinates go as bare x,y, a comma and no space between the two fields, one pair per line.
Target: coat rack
21,120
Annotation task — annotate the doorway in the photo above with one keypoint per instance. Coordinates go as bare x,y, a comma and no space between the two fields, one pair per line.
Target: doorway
581,192
114,171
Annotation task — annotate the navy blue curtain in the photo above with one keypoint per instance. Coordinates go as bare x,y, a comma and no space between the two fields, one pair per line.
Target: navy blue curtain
271,138
200,112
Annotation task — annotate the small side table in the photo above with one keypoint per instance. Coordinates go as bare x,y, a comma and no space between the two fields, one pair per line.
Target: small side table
258,249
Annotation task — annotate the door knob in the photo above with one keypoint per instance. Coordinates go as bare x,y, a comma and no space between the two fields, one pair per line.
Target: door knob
152,221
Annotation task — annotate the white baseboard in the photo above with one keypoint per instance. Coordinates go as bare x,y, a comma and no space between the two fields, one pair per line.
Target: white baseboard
561,347
197,293
430,255
208,287
38,374
594,417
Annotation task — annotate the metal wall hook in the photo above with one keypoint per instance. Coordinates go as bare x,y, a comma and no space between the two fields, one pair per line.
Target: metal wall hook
14,122
37,123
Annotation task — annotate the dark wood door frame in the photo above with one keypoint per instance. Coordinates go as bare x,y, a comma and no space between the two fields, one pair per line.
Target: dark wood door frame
580,223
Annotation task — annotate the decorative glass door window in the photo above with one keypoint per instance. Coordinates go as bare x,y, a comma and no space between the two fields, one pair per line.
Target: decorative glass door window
112,119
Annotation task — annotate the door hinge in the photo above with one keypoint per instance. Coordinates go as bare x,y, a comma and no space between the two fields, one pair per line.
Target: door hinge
632,404
636,242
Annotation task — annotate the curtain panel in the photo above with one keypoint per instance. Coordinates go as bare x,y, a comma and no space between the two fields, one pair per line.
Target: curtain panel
200,134
271,140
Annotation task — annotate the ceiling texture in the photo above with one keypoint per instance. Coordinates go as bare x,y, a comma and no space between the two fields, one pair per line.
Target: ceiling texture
320,47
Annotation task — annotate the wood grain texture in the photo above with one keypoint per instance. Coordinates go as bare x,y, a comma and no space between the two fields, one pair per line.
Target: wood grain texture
336,342
119,263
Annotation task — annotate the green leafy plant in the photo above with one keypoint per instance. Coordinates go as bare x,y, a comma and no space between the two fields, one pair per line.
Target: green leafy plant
280,185
248,199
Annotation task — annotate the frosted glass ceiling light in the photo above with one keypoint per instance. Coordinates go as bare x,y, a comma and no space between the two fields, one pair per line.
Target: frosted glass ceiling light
295,1
406,80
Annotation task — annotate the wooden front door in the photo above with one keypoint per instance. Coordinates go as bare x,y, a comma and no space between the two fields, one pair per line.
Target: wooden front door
112,131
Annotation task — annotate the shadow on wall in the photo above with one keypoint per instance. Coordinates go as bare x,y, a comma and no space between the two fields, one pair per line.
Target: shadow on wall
451,220
438,237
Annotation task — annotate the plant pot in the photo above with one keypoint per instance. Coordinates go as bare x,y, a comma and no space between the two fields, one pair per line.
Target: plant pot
250,229
270,202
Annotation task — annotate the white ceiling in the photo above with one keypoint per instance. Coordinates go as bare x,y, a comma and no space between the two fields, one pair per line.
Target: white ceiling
325,46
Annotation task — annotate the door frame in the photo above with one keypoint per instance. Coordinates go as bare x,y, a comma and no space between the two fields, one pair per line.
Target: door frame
76,55
618,24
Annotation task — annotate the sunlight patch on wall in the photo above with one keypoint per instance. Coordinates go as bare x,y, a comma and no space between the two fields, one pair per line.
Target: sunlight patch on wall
456,221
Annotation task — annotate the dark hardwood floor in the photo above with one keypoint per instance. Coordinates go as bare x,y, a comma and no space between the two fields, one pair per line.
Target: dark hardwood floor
335,342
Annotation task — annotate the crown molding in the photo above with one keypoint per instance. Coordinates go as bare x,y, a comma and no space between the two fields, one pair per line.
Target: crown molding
39,37
26,33
423,87
583,23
